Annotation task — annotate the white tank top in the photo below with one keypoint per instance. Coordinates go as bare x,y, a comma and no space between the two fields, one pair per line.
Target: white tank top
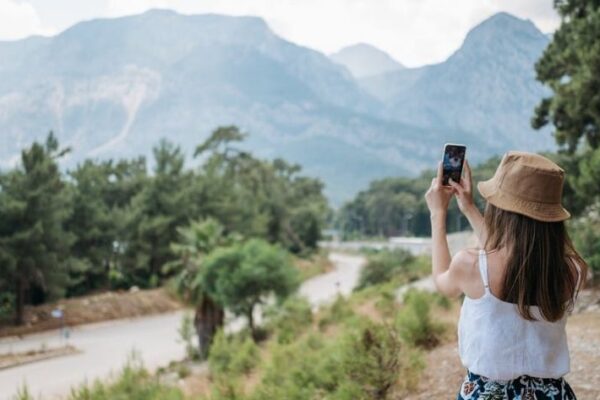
496,342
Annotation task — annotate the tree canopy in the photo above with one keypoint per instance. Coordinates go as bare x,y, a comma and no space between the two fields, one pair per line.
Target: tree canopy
111,224
244,275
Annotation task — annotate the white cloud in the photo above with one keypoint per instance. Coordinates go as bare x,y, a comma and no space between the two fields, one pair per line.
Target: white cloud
128,7
415,32
19,19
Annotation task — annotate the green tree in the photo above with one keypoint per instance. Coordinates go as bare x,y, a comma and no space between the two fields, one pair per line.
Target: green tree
244,275
194,242
569,67
34,246
226,182
94,225
383,266
258,198
162,205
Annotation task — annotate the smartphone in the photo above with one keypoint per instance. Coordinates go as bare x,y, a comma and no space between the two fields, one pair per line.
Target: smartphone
452,163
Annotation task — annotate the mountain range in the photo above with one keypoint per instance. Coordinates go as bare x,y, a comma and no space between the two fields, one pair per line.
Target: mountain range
113,87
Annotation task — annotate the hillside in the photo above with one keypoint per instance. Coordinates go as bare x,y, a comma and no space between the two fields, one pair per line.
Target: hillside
112,88
487,86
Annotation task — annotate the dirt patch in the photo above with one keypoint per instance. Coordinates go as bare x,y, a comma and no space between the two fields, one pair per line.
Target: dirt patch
15,359
94,308
583,331
444,372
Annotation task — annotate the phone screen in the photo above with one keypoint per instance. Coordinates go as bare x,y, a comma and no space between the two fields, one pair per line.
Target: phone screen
454,158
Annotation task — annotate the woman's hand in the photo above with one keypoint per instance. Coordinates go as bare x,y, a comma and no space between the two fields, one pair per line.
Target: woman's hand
464,190
438,196
464,196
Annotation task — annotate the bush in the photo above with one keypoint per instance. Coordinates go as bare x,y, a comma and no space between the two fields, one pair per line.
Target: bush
23,393
419,267
384,266
290,320
187,334
232,356
586,237
374,361
133,383
414,320
339,311
306,369
368,361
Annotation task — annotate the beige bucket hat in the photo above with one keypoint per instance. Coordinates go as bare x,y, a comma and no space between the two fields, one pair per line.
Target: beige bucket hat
527,184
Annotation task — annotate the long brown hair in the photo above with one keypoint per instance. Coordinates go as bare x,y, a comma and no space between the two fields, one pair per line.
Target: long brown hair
541,269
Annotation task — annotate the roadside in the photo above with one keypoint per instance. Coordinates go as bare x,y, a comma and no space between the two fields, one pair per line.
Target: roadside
94,308
105,347
10,360
124,304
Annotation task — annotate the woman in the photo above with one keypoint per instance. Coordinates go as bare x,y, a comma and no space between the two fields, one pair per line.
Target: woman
521,284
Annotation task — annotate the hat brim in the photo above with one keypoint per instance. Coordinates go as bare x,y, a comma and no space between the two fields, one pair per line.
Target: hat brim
539,211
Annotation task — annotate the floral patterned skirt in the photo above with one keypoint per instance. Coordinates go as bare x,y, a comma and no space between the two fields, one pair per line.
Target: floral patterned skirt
522,388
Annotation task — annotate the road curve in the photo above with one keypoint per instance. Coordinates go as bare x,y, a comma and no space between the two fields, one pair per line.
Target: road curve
105,346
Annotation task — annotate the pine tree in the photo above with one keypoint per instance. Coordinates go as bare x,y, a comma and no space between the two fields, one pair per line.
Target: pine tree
34,246
570,66
154,215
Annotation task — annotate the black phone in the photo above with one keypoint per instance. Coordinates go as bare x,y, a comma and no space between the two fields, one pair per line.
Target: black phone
452,163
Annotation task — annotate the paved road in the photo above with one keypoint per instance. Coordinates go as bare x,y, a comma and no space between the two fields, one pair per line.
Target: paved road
106,346
343,279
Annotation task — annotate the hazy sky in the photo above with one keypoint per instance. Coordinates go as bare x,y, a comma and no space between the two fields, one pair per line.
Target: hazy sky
415,32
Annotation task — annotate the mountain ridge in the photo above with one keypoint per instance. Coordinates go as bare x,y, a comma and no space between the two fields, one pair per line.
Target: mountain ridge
488,86
114,87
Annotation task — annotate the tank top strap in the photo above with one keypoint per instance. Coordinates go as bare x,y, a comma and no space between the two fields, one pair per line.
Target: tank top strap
483,270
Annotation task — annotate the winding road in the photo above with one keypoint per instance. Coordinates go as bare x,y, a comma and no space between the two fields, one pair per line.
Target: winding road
106,346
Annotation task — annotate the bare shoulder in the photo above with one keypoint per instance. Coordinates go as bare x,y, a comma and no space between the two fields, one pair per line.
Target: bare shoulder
461,269
464,261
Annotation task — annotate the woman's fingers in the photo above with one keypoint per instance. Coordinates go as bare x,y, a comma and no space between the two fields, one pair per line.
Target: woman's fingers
467,172
456,186
468,166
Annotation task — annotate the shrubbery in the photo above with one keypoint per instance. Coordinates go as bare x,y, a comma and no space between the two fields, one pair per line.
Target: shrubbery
398,266
339,311
133,383
233,355
357,357
377,362
289,320
586,235
415,323
367,362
